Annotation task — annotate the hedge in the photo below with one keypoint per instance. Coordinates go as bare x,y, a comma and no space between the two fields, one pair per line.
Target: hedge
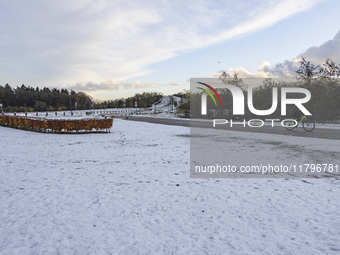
56,125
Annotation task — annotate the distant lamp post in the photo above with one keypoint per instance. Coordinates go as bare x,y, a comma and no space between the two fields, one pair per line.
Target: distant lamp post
140,106
69,93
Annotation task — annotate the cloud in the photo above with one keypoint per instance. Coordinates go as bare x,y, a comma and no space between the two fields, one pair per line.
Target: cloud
266,14
145,85
140,85
244,73
287,68
91,86
63,42
315,54
329,49
114,86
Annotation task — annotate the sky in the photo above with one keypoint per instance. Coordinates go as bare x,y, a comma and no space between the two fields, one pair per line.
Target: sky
113,49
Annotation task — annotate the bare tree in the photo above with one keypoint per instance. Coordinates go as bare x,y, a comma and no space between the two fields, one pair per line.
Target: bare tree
329,69
233,80
307,70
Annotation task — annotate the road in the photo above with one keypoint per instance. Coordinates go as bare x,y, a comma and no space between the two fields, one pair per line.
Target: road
333,134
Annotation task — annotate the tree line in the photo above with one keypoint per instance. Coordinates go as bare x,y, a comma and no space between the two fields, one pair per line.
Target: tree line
143,100
29,99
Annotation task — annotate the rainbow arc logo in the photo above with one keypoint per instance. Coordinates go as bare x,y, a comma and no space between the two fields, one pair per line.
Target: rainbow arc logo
208,92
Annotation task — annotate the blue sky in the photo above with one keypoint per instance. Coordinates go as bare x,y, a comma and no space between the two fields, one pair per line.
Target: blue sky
112,49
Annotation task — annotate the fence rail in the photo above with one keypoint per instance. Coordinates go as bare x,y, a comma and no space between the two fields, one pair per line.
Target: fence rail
118,111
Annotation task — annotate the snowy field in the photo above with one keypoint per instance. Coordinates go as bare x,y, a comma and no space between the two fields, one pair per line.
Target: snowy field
129,192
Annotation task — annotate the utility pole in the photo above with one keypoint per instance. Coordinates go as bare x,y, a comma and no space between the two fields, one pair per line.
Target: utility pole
69,93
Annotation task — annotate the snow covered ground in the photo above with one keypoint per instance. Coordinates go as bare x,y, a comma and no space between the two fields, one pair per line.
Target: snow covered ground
129,192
